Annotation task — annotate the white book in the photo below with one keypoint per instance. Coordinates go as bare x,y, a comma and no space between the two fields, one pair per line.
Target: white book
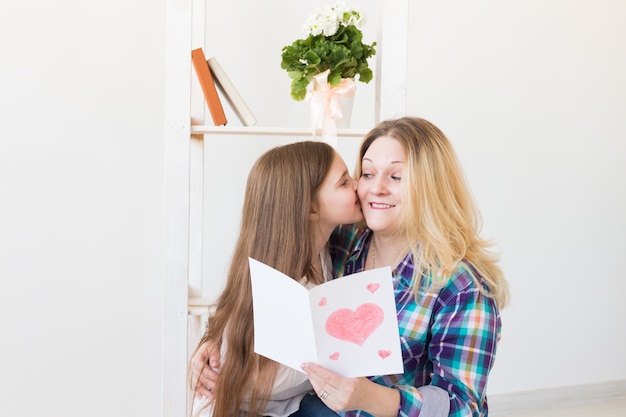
231,94
347,325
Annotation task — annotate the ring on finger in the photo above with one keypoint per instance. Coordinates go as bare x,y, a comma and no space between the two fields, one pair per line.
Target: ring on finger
324,395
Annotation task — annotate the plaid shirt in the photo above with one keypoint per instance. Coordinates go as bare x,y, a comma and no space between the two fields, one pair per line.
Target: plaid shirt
448,337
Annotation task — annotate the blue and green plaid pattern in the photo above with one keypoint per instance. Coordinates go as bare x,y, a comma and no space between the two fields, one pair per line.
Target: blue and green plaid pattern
448,337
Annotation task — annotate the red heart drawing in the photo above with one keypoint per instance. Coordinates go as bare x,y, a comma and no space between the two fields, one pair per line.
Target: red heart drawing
334,356
355,326
384,353
372,287
322,302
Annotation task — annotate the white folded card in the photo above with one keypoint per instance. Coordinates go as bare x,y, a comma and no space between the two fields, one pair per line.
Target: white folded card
347,325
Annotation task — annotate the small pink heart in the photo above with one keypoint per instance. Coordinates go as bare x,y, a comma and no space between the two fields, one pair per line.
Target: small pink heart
384,353
334,356
372,287
322,302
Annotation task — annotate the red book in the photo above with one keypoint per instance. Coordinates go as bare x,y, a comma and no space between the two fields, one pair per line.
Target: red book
208,87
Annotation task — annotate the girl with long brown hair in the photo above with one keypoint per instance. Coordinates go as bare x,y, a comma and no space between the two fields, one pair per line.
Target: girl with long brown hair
295,196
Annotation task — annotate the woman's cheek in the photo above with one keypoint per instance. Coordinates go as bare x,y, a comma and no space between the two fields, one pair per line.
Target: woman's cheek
361,190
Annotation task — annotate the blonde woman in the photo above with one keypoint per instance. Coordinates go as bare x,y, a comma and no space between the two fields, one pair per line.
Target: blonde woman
422,222
295,196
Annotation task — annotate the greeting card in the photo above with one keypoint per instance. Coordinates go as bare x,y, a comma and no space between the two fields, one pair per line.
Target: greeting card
347,325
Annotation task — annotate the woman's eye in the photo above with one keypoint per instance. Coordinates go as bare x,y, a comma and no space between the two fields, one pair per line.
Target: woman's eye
366,175
396,178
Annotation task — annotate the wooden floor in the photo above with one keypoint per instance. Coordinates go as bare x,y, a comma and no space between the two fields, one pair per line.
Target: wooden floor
598,400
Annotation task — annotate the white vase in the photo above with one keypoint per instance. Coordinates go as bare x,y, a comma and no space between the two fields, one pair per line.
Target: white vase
330,106
346,103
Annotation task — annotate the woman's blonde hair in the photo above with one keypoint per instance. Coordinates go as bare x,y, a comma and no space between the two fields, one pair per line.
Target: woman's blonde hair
441,222
275,230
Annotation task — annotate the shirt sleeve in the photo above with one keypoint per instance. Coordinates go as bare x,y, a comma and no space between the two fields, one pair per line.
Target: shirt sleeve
465,334
430,400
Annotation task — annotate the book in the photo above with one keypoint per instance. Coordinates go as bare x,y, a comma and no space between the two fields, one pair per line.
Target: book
347,325
208,87
231,94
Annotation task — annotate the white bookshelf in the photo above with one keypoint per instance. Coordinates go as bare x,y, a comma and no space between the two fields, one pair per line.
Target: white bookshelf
185,136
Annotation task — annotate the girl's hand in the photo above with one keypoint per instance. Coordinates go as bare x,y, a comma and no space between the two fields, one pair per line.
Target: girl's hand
204,369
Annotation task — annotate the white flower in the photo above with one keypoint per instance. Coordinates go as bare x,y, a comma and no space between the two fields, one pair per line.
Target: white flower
327,19
330,24
311,27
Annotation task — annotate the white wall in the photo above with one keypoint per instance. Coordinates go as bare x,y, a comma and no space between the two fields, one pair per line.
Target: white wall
532,94
81,218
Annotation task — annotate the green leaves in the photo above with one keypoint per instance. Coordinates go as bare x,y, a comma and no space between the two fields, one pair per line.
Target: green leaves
343,53
312,58
334,78
298,88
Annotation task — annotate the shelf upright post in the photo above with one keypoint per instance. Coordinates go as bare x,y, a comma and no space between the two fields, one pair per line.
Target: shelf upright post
391,59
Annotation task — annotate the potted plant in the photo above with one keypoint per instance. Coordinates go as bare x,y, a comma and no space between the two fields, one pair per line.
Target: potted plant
334,43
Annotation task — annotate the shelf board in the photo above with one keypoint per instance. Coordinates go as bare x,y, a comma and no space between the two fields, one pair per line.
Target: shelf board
267,131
